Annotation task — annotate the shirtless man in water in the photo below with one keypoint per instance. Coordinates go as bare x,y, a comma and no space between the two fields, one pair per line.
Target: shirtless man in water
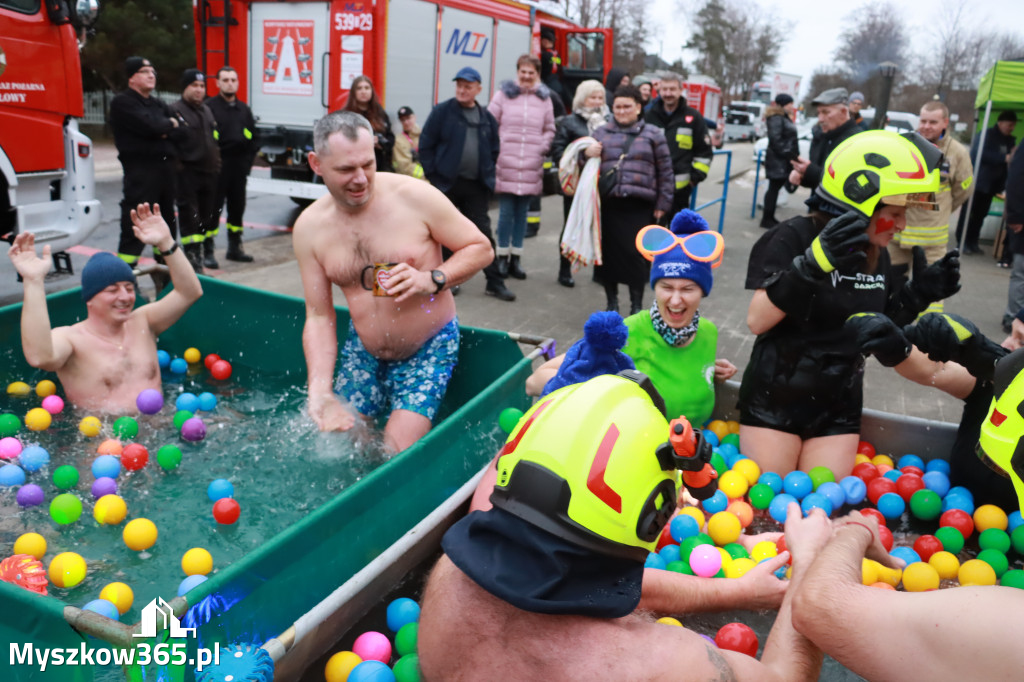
104,361
410,336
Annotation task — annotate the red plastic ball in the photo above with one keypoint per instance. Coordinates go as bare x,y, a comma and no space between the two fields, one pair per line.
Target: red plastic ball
885,535
875,513
926,545
665,538
866,471
879,487
221,370
226,510
737,637
865,448
959,519
907,485
210,359
134,456
912,470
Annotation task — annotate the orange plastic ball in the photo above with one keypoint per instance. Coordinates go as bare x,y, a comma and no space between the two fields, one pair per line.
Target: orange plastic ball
111,446
743,511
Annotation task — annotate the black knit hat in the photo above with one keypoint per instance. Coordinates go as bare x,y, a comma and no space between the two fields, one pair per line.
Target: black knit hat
133,65
190,76
782,99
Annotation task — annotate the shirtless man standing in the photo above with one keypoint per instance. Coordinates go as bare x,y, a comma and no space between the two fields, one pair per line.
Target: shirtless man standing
104,361
411,335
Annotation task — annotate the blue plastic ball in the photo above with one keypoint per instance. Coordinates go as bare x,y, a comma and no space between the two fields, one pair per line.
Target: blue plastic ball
33,458
401,611
683,526
654,560
936,481
937,465
220,488
728,450
798,484
816,500
187,401
716,503
371,671
891,505
207,401
669,553
711,438
910,461
961,490
163,358
833,492
778,508
189,583
772,480
1015,519
106,466
906,553
780,572
104,608
731,461
957,501
11,474
854,488
893,475
179,366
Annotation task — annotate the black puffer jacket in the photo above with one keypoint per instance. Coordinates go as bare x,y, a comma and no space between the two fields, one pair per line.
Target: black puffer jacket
782,144
822,145
568,129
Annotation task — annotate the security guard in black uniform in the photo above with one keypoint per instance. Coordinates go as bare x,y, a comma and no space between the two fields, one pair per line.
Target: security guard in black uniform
236,134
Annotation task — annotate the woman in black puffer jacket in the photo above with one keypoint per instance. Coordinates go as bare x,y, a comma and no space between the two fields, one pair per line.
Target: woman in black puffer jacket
782,148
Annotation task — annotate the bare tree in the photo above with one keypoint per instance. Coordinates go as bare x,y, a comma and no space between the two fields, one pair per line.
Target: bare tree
628,20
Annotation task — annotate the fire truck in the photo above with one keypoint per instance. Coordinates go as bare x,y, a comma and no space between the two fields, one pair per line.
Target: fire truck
47,183
296,61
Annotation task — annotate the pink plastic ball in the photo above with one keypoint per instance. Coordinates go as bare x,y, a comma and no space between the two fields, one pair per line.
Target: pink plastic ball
373,646
53,404
193,429
705,560
150,401
10,447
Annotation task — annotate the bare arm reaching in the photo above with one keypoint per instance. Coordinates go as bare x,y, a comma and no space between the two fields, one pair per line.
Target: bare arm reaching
152,229
44,348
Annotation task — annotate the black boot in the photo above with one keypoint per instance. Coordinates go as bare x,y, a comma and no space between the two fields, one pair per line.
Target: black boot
194,254
503,266
498,289
514,268
209,257
565,273
235,251
636,299
611,294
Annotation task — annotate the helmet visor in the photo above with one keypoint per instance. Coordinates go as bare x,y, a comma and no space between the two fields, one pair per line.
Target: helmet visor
927,201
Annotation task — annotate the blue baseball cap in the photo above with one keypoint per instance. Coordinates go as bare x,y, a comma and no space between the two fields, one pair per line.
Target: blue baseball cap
468,73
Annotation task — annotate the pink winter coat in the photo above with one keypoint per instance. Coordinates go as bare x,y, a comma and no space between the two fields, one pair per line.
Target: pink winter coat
526,126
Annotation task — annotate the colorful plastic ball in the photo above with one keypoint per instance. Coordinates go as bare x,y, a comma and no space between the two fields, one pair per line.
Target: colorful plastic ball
907,485
866,471
193,430
976,572
778,509
104,608
32,544
178,366
103,486
402,611
406,638
65,477
957,501
883,460
135,456
65,508
878,487
372,646
854,489
1017,539
718,463
221,370
743,512
508,418
926,505
910,461
1013,578
33,458
168,457
9,425
180,417
29,495
916,471
885,535
731,438
749,469
996,559
958,519
90,427
946,564
937,465
111,446
737,637
816,501
220,488
875,514
192,356
163,358
926,546
705,561
891,505
18,388
139,534
52,404
210,359
654,560
962,491
226,511
197,561
407,668
716,503
994,538
207,401
735,550
936,481
920,577
150,401
711,438
372,671
125,428
724,527
733,484
340,666
45,388
892,474
761,496
120,595
833,492
188,402
821,474
190,583
67,569
952,540
670,553
10,447
990,516
728,450
798,484
908,555
766,549
865,448
719,428
106,465
110,510
1015,520
682,526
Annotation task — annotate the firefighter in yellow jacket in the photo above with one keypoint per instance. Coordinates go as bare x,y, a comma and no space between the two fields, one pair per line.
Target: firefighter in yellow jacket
930,229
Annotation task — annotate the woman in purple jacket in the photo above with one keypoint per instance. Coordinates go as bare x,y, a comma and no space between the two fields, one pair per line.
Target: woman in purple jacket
636,185
526,126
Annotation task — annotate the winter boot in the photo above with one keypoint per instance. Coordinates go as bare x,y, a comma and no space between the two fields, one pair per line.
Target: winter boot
209,257
515,270
194,254
503,266
235,251
565,273
636,299
611,294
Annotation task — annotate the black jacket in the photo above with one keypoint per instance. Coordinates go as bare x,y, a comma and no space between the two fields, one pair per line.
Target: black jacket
236,127
568,129
442,138
142,128
687,135
197,143
822,145
990,174
1015,200
783,145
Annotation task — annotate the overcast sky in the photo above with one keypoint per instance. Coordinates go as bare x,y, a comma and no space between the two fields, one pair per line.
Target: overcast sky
813,39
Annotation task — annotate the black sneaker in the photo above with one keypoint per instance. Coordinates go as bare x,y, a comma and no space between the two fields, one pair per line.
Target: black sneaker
499,291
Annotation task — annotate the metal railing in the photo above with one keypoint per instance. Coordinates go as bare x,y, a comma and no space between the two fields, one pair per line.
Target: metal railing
97,104
757,181
725,189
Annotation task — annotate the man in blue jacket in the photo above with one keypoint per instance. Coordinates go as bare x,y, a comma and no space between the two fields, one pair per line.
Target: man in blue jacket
458,149
989,177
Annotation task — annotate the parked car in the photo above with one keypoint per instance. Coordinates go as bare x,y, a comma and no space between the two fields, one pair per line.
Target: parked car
739,125
897,121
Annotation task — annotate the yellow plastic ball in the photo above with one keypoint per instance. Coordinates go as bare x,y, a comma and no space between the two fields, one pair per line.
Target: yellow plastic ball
976,572
110,509
883,460
192,356
733,484
724,528
38,419
120,595
197,561
749,469
45,388
18,388
737,568
31,543
67,569
90,427
139,534
946,564
697,515
920,577
719,428
766,549
989,516
873,572
340,665
733,426
861,457
743,511
669,620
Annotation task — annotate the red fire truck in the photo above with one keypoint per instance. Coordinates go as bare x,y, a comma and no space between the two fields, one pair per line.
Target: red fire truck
47,183
297,59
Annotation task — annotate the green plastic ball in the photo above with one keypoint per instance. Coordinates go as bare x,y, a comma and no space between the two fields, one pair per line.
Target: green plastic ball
168,457
686,546
9,425
736,550
65,477
733,439
718,463
994,538
406,639
1017,539
761,496
65,508
951,539
926,504
821,475
180,417
1014,578
407,668
679,567
125,428
508,418
704,539
996,559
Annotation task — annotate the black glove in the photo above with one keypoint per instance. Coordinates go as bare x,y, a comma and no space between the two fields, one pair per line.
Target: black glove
950,338
937,281
697,176
877,335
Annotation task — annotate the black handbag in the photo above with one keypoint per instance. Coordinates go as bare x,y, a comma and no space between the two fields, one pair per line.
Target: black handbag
610,178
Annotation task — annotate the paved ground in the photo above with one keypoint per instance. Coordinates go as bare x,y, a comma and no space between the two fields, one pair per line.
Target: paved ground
545,308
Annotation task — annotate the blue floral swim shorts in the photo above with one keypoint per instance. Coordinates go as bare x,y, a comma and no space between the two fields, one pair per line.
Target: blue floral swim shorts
417,384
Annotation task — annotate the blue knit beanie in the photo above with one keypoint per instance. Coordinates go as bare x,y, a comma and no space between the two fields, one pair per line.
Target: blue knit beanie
102,270
597,353
674,263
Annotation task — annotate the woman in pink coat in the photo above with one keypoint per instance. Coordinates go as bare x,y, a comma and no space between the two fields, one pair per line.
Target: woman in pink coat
526,126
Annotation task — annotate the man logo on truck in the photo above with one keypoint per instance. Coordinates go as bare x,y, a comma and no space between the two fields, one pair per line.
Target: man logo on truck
459,43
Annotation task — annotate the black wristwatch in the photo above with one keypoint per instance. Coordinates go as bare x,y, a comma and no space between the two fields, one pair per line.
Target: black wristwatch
171,250
440,279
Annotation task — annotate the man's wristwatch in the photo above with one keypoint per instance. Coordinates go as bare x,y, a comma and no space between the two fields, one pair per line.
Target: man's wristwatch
439,278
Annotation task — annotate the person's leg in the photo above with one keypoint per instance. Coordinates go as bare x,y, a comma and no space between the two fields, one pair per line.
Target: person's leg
771,197
611,294
192,233
835,452
773,450
979,210
636,298
506,220
140,185
1015,299
472,198
564,266
518,234
533,217
403,429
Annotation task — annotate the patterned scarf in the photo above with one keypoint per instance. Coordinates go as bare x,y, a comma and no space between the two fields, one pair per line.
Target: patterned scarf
674,337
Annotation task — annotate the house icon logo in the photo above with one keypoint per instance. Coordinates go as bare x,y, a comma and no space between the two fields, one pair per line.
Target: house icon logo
157,615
